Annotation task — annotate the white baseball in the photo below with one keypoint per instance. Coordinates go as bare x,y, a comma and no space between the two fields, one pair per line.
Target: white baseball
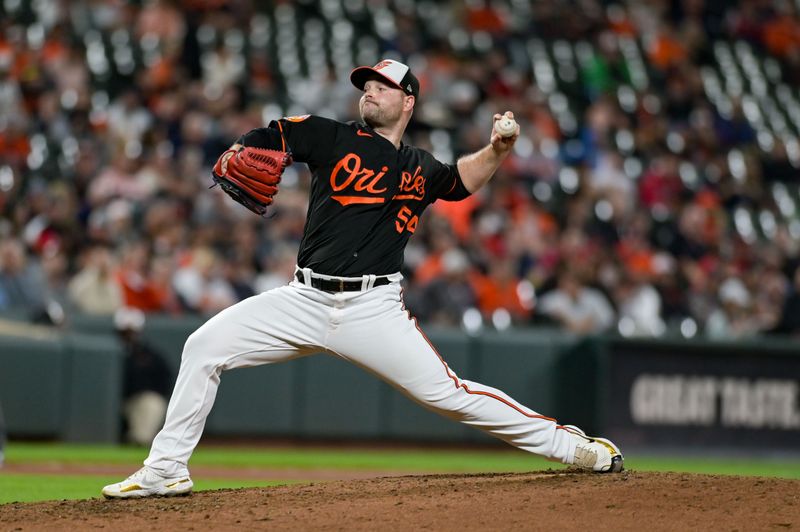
505,127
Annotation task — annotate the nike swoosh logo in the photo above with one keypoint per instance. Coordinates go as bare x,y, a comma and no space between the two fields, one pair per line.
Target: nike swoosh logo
362,133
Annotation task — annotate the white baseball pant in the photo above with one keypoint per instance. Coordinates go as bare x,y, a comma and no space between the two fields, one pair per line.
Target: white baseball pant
371,329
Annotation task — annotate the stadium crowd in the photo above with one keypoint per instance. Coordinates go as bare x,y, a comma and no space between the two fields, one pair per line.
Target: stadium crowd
638,199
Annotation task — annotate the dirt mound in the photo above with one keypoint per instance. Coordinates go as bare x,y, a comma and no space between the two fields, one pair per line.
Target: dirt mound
545,500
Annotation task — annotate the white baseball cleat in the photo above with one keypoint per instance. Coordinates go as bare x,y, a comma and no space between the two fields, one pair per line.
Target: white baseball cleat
148,483
597,454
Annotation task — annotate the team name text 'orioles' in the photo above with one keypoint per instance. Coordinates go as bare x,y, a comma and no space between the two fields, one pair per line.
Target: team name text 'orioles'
350,174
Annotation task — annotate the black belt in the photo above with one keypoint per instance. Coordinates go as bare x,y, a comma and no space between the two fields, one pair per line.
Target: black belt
339,285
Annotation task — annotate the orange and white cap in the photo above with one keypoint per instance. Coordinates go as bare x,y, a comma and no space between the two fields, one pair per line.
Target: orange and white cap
396,73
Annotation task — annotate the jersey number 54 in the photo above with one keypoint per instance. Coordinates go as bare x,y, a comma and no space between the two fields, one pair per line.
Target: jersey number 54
406,220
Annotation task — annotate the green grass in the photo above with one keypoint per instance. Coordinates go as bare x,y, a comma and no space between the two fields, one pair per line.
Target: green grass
297,458
30,487
757,467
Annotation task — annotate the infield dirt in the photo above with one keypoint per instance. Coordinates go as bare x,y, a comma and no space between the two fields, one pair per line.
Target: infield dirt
545,500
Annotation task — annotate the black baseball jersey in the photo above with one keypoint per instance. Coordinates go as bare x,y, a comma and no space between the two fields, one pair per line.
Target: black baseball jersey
366,195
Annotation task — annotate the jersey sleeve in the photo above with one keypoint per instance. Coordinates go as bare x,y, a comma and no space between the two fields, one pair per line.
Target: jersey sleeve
309,138
448,185
262,137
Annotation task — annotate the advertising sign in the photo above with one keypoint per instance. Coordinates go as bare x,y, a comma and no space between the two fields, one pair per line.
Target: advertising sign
702,394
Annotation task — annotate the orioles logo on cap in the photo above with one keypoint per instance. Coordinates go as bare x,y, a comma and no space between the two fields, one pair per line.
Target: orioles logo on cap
298,118
382,64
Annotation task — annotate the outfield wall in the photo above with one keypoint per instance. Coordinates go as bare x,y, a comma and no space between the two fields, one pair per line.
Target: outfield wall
67,385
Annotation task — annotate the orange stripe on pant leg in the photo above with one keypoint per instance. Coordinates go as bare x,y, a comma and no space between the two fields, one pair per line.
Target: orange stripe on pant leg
464,386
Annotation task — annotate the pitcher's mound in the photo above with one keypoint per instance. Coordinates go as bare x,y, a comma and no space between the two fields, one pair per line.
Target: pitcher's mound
543,500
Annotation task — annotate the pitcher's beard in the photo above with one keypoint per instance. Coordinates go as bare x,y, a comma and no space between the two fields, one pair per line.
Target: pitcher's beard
374,116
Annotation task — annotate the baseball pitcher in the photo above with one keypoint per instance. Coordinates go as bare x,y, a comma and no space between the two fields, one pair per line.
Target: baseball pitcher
367,194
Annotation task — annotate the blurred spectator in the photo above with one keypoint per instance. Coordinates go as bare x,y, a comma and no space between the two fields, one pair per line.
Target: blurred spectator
668,279
221,69
55,264
445,299
639,305
14,143
577,307
502,289
163,21
22,282
790,312
748,22
128,120
431,265
660,186
666,49
118,180
734,130
94,288
147,380
606,70
700,294
768,285
135,276
608,177
675,121
239,273
200,284
734,318
781,35
278,270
